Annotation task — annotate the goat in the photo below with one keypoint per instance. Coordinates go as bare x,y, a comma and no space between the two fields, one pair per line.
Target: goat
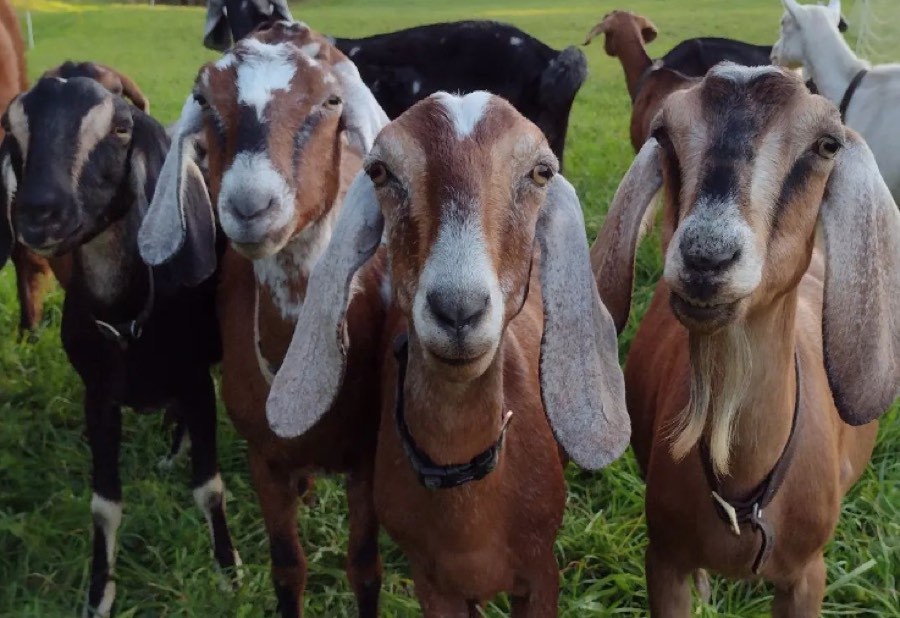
487,349
116,82
758,342
406,66
864,93
274,113
78,166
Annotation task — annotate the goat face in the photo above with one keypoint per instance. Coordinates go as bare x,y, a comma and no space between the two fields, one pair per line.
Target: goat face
745,158
459,180
272,116
790,50
69,144
617,26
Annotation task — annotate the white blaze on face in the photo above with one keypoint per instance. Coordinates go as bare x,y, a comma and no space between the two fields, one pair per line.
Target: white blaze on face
264,70
464,112
459,264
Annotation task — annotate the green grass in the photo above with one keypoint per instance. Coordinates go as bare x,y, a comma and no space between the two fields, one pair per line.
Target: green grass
164,566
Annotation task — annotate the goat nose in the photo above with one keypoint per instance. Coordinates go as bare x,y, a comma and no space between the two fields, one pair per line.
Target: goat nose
708,260
454,311
248,209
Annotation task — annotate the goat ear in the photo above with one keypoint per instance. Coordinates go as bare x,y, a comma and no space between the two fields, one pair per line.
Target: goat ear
582,386
612,254
126,87
835,7
8,185
648,30
791,7
595,32
180,221
860,326
305,389
363,117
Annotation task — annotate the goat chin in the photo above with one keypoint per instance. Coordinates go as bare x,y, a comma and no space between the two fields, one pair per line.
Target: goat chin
721,366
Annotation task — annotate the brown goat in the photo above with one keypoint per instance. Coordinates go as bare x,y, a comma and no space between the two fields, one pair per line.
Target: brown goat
763,357
275,112
648,84
116,82
31,269
465,189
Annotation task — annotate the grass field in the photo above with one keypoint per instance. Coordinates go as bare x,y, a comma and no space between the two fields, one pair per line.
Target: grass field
164,566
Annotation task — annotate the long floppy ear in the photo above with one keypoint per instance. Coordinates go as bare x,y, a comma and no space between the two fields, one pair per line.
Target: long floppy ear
595,32
8,185
582,386
313,369
612,254
180,221
861,314
113,79
363,117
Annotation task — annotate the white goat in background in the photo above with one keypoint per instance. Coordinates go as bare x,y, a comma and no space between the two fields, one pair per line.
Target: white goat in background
866,95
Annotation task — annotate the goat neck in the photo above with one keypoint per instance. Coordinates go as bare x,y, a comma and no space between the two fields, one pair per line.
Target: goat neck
830,63
634,58
452,421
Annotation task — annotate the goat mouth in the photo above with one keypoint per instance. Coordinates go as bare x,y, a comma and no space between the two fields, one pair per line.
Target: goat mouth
457,361
57,245
703,314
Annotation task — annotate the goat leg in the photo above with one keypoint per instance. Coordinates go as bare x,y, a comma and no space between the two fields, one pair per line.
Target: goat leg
104,430
277,492
435,604
542,598
668,586
31,269
802,598
197,410
363,560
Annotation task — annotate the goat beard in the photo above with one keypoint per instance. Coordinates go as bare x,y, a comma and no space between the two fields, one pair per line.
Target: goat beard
721,366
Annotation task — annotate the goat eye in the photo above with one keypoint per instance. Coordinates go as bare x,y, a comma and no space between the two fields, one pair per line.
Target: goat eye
541,174
122,132
827,146
333,101
201,100
378,173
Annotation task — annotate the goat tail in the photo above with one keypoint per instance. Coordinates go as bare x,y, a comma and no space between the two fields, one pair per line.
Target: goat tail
563,77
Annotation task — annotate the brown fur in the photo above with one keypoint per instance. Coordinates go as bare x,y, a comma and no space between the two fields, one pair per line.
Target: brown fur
625,36
344,440
494,535
783,315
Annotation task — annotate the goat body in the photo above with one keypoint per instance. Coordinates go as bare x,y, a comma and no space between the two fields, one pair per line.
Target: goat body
407,66
540,347
277,200
730,330
134,337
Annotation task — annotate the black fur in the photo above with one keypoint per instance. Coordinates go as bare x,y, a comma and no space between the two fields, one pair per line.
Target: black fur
169,363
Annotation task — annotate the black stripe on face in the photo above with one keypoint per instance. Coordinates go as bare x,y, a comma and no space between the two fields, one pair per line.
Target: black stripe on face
252,132
794,183
302,136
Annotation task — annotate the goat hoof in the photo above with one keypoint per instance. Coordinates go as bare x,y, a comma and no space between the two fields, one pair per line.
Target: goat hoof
106,601
701,583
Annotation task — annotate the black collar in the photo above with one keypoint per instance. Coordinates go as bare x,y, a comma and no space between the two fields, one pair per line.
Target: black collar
126,333
750,510
432,475
851,89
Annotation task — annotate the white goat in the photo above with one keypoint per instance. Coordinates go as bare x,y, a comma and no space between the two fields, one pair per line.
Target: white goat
866,95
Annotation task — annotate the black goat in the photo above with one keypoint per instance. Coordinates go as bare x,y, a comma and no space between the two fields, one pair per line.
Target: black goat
694,57
79,166
404,67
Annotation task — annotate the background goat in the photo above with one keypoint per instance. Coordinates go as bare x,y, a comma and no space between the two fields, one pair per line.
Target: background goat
865,94
275,112
757,343
78,167
406,66
465,188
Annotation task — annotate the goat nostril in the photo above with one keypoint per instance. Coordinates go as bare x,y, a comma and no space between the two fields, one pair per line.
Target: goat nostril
710,261
456,311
